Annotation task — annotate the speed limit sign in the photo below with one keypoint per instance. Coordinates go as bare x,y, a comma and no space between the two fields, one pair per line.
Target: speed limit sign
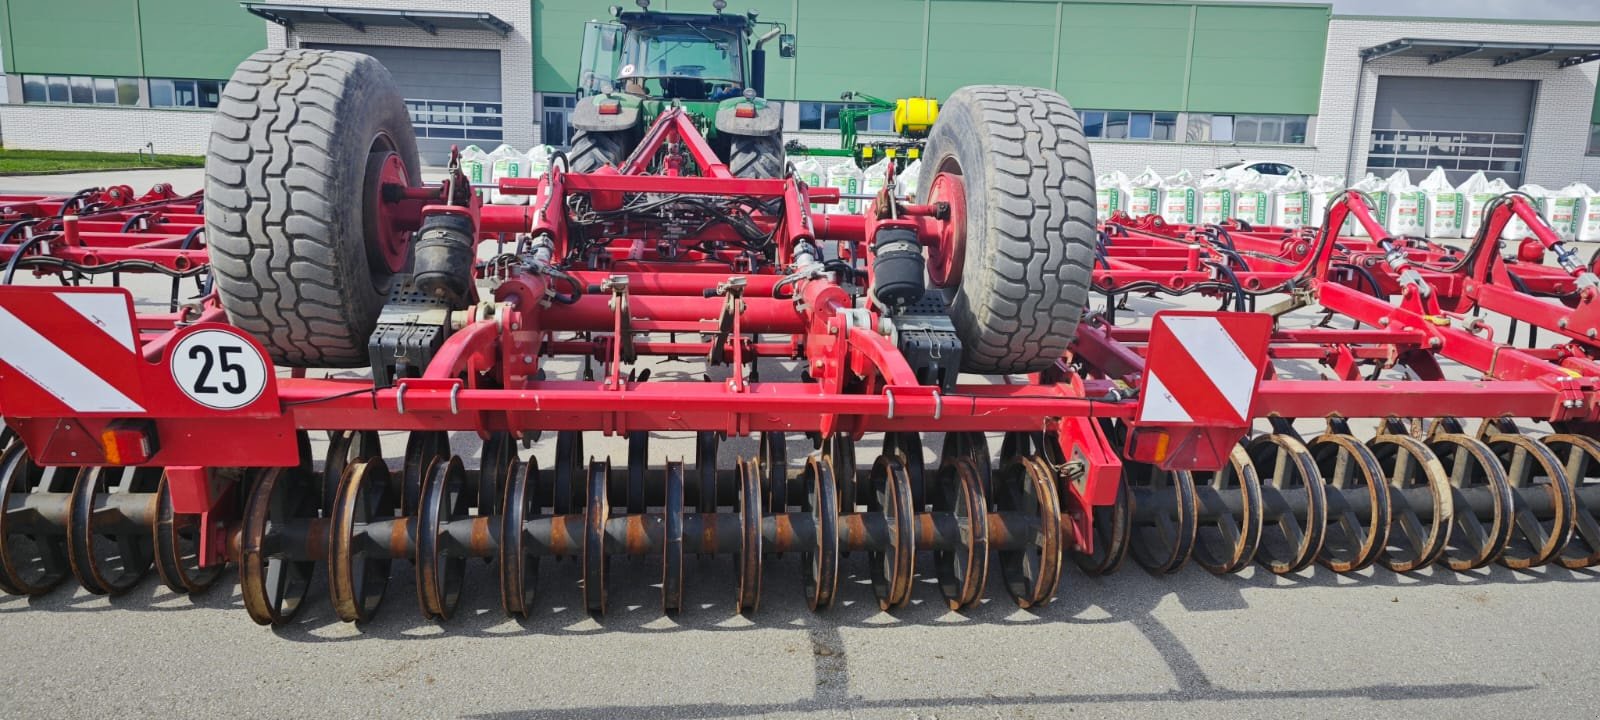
219,369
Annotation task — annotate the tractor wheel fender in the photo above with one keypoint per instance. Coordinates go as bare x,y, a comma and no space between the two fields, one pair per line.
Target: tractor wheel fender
768,119
586,116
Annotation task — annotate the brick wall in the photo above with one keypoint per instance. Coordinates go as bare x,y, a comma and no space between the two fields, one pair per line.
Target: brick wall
104,129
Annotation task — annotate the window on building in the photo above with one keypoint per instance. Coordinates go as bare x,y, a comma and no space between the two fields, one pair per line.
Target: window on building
825,116
1247,129
184,93
80,90
1594,139
557,119
1129,125
457,120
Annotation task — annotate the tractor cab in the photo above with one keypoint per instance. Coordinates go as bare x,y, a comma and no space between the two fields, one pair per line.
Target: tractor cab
676,56
712,65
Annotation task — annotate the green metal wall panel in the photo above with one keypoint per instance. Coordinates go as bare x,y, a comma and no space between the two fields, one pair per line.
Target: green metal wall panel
872,46
1124,57
558,37
1595,117
982,41
1258,60
197,38
73,37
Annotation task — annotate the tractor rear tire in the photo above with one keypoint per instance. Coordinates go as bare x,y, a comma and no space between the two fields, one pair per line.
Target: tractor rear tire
1030,224
756,156
298,143
592,149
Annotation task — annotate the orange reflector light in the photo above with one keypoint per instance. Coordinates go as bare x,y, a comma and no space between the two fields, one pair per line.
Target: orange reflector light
744,110
610,108
128,442
1149,445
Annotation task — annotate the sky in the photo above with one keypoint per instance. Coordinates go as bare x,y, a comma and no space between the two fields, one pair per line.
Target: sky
1518,9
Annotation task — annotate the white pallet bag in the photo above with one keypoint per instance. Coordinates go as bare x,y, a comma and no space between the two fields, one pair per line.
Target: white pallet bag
475,166
1560,211
1588,212
1144,194
810,172
1180,199
1110,194
1322,190
847,179
1517,229
875,177
909,179
1251,200
1477,191
1376,190
1216,200
1291,201
1407,206
1447,207
506,162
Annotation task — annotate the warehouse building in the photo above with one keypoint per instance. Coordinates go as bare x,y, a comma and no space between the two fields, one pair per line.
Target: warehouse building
1167,84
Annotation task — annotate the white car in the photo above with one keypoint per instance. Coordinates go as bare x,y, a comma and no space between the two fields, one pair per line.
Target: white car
1264,167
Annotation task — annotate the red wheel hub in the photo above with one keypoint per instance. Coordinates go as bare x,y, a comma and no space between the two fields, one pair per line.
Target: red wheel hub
948,252
389,246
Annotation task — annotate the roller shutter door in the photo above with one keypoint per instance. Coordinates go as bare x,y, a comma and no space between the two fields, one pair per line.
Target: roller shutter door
1461,124
453,95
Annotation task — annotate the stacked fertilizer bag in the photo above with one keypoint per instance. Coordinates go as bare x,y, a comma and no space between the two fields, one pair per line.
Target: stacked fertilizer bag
1588,212
1560,211
506,162
1251,203
1516,229
848,179
475,165
1110,194
1216,200
1322,189
810,172
875,177
1179,199
1377,192
1144,194
1291,201
909,178
1476,192
1407,206
1447,206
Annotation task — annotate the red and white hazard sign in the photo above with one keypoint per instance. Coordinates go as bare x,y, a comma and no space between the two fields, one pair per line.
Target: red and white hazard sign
1203,368
73,347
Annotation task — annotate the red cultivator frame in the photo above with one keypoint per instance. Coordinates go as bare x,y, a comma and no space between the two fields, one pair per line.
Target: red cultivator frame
179,445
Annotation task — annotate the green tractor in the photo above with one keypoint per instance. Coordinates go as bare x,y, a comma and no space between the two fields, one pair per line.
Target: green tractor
711,65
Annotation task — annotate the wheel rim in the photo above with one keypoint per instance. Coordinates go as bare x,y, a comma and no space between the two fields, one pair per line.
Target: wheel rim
272,585
178,547
1031,574
963,572
388,247
893,568
29,564
947,256
820,567
356,582
108,561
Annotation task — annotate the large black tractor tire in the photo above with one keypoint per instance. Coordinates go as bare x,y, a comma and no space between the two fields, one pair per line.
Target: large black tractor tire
756,156
1030,225
592,149
297,145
